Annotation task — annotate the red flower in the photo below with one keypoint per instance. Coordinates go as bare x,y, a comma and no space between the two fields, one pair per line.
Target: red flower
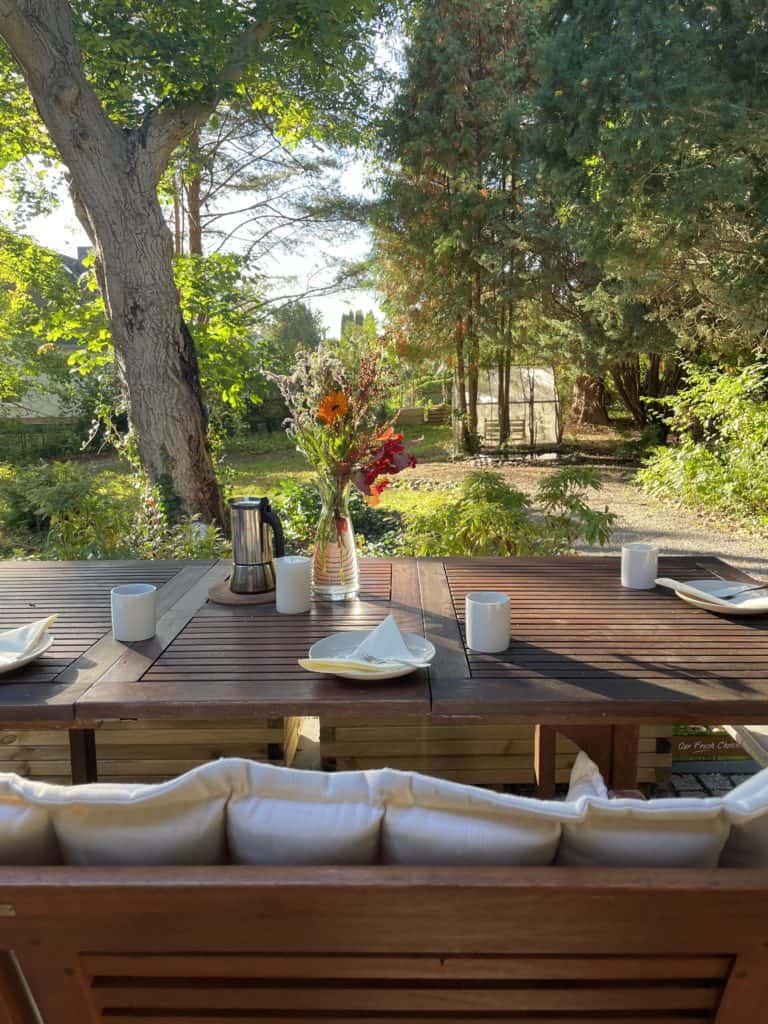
389,458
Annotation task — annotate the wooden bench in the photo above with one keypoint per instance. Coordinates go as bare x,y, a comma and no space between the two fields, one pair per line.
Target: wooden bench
492,431
382,944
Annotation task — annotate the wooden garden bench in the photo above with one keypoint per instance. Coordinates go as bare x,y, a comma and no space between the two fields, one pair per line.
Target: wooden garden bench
361,944
492,431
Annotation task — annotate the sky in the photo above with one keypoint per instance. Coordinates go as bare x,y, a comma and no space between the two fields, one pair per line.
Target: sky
62,232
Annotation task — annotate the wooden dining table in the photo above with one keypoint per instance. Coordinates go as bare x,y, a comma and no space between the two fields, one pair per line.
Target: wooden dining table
587,658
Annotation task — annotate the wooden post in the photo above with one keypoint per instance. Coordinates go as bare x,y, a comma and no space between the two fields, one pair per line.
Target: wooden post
82,756
544,742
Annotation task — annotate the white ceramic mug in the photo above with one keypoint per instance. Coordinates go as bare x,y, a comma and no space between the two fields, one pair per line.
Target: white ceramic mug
639,566
293,575
133,612
487,618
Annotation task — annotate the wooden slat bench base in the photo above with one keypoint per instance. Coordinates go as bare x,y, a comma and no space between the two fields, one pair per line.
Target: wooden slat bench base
150,751
496,754
458,945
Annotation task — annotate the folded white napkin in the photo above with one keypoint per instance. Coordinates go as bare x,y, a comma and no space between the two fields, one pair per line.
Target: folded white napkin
715,592
17,643
386,644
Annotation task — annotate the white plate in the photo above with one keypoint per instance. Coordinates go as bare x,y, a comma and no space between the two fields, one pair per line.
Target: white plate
41,648
341,645
745,603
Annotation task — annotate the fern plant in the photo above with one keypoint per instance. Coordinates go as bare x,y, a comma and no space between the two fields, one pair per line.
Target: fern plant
486,516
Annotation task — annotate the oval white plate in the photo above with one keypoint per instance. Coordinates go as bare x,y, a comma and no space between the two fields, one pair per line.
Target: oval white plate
742,604
41,648
341,645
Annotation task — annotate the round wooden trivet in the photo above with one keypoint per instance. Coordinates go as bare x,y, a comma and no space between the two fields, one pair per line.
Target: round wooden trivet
220,593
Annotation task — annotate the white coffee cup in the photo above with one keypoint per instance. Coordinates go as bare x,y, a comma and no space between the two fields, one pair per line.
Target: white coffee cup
133,611
487,617
639,566
293,576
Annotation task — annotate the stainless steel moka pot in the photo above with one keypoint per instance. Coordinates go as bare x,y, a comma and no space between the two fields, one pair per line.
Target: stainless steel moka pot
257,538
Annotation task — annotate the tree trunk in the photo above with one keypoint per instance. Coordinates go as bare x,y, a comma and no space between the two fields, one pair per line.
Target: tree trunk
500,359
674,374
665,374
626,377
653,375
504,371
155,354
178,214
473,384
461,390
194,209
588,405
507,379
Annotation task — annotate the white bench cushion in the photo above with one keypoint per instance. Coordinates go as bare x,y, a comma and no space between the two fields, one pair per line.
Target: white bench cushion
285,816
431,821
27,835
177,822
259,814
638,833
747,809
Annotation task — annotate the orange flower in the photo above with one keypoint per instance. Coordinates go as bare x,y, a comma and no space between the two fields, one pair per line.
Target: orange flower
332,406
374,498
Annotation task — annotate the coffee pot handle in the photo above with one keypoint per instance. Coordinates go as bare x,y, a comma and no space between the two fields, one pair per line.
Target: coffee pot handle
277,531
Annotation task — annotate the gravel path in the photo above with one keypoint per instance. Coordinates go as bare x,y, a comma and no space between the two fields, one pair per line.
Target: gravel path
676,530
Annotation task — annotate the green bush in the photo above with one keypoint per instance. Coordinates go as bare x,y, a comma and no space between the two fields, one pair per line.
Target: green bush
69,512
720,461
62,510
485,516
378,532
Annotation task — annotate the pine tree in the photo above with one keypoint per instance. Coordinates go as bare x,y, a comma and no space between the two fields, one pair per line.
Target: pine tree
451,234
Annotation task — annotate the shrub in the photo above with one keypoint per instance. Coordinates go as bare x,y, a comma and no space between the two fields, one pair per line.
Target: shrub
485,516
719,462
61,510
378,532
72,513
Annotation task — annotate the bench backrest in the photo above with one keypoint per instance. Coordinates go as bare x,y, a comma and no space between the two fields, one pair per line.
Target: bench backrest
459,945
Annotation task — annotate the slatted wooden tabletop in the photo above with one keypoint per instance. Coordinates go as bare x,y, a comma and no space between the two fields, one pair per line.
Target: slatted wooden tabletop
241,662
78,592
585,650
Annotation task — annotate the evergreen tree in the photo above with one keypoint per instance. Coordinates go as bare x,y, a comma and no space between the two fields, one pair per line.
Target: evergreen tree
652,129
451,235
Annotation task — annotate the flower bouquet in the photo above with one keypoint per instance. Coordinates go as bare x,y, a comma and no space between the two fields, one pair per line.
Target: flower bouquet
336,424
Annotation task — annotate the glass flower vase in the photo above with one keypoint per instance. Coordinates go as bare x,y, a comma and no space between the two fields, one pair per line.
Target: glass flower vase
335,570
